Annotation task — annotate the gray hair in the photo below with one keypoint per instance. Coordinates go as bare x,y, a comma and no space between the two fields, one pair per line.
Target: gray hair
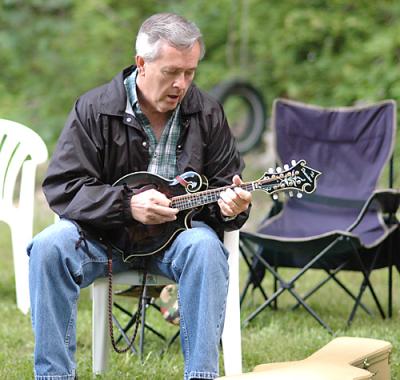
170,28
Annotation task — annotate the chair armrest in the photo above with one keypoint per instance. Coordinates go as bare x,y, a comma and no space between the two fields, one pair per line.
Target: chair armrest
387,201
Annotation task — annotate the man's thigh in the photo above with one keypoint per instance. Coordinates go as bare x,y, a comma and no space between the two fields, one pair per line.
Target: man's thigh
198,244
63,245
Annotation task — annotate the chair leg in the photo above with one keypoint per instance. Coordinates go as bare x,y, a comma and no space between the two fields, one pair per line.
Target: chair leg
245,289
21,267
277,292
172,340
231,335
390,278
243,247
358,299
332,276
311,311
351,295
288,285
263,306
390,291
123,330
100,339
275,305
366,283
133,319
145,303
123,335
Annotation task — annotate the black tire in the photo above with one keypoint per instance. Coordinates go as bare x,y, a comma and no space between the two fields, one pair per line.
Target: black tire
247,127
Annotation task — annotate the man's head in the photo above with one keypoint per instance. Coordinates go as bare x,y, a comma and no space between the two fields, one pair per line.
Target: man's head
168,49
167,28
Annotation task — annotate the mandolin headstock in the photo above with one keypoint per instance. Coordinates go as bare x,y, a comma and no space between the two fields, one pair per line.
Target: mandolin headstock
298,177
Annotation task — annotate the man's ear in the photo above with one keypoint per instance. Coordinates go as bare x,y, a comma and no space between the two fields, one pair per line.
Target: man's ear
139,64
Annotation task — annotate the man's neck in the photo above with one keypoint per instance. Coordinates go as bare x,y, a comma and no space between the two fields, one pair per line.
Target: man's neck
158,120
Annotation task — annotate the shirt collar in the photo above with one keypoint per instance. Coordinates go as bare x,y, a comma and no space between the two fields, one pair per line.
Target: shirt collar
131,98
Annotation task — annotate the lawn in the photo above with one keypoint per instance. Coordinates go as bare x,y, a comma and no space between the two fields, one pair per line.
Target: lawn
273,336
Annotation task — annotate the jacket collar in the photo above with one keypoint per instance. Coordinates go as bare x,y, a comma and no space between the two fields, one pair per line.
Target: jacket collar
113,97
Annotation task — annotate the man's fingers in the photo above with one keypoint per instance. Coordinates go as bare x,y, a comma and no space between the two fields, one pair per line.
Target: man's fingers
236,180
155,197
230,198
245,196
152,207
234,200
226,210
163,211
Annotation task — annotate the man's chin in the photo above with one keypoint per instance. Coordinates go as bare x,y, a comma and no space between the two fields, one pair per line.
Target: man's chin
168,106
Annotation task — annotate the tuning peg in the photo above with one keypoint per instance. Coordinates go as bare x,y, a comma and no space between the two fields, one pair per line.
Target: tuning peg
278,169
293,162
286,167
275,196
299,195
290,194
270,171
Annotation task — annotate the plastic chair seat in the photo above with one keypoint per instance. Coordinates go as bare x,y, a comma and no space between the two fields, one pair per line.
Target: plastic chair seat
231,336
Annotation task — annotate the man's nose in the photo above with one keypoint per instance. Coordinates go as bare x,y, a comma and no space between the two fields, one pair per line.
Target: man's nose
180,81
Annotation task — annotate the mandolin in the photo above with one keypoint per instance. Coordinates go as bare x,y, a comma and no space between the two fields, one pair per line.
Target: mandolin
188,193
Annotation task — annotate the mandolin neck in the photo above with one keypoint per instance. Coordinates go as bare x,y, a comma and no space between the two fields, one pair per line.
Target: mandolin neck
188,201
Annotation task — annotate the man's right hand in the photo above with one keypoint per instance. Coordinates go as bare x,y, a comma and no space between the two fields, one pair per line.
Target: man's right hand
152,207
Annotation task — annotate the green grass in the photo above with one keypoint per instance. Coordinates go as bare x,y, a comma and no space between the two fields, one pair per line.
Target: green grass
273,336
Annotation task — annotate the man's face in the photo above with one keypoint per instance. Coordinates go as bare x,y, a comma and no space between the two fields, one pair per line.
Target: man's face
164,82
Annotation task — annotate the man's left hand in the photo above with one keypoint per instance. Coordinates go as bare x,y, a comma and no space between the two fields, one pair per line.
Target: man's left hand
234,201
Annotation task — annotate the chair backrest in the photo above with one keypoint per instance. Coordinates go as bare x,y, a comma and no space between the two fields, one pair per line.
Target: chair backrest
349,145
21,150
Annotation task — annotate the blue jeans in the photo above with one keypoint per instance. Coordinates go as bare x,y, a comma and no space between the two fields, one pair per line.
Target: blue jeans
196,261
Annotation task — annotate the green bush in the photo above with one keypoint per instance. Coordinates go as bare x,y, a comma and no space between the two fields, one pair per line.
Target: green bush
330,53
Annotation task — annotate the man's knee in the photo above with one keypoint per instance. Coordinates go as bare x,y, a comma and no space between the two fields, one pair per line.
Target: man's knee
207,249
52,242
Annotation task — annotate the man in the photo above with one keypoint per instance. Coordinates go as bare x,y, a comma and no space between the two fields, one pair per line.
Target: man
150,118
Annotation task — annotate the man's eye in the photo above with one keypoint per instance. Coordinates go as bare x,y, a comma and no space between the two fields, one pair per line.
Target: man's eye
176,73
171,72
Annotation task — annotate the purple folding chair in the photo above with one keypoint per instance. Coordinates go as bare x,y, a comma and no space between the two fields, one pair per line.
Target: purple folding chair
347,223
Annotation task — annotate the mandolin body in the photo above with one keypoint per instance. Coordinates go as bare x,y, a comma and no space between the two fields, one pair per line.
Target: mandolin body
147,239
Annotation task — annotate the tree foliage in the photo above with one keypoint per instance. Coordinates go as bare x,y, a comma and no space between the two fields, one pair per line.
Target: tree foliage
326,52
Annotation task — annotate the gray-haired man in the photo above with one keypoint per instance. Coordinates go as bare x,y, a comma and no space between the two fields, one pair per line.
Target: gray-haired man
150,117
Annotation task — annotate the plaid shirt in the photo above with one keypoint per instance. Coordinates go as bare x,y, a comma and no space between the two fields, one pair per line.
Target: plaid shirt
163,152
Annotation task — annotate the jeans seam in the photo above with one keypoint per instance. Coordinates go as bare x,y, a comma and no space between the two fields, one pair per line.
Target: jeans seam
220,322
183,330
201,375
88,261
70,322
58,377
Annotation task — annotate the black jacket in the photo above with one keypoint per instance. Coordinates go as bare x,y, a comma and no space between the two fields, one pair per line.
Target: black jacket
101,143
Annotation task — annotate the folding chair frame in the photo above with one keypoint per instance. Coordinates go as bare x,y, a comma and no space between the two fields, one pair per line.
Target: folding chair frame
389,202
147,302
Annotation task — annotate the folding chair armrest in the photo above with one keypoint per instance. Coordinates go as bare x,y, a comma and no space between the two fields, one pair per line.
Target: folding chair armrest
386,200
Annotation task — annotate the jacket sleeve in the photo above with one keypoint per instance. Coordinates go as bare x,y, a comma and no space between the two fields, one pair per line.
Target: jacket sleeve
74,185
223,161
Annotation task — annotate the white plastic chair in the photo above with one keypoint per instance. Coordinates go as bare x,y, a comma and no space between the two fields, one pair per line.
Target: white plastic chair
231,337
21,151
